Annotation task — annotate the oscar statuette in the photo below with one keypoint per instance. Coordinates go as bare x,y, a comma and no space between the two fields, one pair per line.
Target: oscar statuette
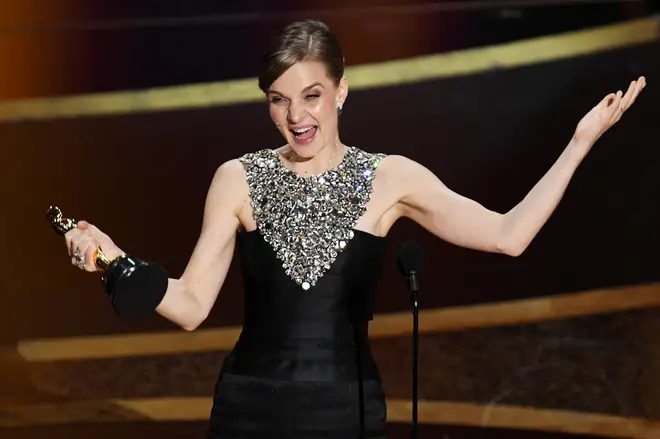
135,287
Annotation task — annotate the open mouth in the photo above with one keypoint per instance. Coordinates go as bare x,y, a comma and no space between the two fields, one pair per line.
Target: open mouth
304,135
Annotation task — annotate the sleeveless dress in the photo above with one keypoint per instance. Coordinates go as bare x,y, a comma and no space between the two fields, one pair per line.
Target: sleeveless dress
302,367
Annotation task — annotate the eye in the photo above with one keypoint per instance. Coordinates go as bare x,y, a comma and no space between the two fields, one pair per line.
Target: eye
312,96
275,100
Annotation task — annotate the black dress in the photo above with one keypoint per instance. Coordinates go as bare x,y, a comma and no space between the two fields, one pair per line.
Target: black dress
302,367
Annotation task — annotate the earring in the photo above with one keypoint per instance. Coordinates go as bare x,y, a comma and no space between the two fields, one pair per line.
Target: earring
340,105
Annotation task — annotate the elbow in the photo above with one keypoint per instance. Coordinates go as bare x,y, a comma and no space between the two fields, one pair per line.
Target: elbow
513,249
191,311
190,326
514,252
508,242
193,322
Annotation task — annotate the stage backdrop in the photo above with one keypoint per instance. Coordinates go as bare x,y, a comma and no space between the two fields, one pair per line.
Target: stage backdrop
76,46
580,356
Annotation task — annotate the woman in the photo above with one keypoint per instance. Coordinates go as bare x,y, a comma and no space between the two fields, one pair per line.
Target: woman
310,220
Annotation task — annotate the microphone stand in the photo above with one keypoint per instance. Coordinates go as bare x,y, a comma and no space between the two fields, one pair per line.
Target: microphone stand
410,261
412,279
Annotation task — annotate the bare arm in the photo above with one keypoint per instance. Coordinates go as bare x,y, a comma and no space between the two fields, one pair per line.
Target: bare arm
189,299
464,222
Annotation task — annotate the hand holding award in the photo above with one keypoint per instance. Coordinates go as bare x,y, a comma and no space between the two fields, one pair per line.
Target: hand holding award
135,287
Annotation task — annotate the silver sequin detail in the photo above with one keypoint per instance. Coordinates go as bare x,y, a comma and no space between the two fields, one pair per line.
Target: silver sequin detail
309,221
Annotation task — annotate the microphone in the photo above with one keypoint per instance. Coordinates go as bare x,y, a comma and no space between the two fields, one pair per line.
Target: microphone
410,262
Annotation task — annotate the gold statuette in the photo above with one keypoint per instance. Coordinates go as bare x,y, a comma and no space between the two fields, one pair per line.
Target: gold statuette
62,225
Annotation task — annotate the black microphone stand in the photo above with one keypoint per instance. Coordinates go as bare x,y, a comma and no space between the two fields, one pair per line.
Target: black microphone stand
410,262
412,280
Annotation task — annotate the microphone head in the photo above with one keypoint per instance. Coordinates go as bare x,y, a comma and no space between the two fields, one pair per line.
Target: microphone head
410,258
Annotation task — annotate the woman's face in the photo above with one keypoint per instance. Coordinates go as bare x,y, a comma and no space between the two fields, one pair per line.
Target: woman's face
303,104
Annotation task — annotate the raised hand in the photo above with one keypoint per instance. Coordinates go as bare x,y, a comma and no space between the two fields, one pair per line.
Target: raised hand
604,115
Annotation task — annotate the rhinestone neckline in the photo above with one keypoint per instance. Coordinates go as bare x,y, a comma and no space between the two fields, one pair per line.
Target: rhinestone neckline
308,221
307,177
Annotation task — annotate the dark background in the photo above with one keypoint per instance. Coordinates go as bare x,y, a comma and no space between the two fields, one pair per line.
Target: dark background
143,178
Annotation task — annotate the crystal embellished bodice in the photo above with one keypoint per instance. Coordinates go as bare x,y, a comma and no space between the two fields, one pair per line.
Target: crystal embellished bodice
309,221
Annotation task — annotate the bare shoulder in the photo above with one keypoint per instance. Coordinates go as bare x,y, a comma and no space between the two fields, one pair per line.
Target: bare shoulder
228,188
391,177
395,163
407,178
399,170
229,173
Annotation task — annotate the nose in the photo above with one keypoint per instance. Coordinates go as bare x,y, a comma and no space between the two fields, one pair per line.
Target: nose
295,113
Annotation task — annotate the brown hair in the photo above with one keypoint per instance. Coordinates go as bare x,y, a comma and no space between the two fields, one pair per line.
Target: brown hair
307,40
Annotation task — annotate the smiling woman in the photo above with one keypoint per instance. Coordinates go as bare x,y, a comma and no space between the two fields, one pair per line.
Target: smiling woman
303,77
310,221
301,114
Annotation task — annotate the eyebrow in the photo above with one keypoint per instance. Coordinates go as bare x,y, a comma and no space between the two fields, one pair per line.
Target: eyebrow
309,87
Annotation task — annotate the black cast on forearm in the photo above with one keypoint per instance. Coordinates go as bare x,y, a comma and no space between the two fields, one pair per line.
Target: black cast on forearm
135,287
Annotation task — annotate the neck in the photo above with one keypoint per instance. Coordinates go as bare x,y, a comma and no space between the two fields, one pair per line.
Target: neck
327,158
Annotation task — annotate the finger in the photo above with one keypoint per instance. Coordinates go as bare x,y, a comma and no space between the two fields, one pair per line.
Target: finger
72,237
86,249
615,108
74,241
609,105
638,89
78,242
75,261
69,243
68,236
607,101
90,265
626,100
633,91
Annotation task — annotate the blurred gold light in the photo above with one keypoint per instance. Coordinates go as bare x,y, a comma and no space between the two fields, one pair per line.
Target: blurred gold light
36,63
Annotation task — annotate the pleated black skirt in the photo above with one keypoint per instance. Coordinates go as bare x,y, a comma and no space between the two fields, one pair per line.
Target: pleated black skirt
247,407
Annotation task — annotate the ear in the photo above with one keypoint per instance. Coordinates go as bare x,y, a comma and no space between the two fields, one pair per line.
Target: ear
342,90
